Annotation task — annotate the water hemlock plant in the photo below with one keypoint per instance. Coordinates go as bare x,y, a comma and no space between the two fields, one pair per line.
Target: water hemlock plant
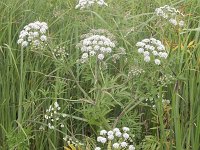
99,75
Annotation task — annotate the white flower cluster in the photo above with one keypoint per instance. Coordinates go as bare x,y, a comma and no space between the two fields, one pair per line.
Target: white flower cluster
117,138
52,115
153,47
67,138
60,53
88,3
165,80
165,102
72,141
97,43
33,34
135,71
171,14
151,101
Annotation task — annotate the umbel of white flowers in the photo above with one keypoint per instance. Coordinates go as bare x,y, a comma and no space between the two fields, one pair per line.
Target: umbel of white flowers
33,34
60,53
171,14
52,115
117,138
152,48
82,4
97,43
135,71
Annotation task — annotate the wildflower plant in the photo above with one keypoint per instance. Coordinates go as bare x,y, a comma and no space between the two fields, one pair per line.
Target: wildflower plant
152,49
97,43
165,80
72,143
151,101
135,71
60,53
83,4
115,139
53,115
174,16
33,34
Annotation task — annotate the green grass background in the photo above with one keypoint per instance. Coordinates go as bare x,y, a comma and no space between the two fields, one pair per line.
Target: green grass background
31,80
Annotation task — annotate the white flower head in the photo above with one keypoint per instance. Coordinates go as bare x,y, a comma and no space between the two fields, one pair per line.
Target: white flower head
125,129
99,138
60,53
56,104
24,44
146,40
84,4
97,148
43,38
118,134
46,116
147,59
33,34
103,132
110,137
123,144
92,53
20,41
36,43
100,56
53,115
116,145
51,126
96,47
116,130
110,133
85,56
155,53
141,50
147,46
157,61
103,140
140,44
171,14
131,147
126,136
173,21
164,55
152,49
146,53
181,23
99,43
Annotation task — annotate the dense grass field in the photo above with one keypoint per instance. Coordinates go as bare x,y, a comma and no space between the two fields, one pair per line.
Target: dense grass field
58,91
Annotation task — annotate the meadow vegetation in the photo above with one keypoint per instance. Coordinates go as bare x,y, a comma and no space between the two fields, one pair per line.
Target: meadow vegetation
123,75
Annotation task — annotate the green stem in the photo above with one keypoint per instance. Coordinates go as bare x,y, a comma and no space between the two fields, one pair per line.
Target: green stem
159,107
21,87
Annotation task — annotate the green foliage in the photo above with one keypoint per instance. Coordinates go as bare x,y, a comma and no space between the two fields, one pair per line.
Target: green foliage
95,95
19,139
